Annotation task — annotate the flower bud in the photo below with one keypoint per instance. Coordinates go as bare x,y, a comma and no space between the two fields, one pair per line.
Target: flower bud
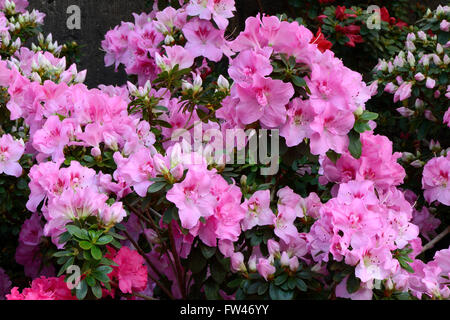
274,248
223,84
419,77
422,35
430,83
411,59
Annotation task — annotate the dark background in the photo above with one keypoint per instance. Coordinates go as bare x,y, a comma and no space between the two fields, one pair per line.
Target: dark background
98,16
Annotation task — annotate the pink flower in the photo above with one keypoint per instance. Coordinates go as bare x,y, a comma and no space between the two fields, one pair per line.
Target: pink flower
265,268
3,23
21,5
363,293
258,211
299,116
199,8
445,25
136,170
43,289
403,92
284,225
377,163
193,197
221,10
329,131
446,118
203,39
265,101
176,55
435,180
430,83
249,63
111,215
376,264
11,151
131,272
426,222
53,137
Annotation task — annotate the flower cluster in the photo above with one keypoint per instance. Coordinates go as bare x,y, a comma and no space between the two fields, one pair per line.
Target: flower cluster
43,289
144,215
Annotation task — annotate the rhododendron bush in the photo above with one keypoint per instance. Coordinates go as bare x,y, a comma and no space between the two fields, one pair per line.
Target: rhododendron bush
246,165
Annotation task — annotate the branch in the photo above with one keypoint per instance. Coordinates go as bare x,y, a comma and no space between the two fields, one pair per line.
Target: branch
151,265
180,273
261,9
438,238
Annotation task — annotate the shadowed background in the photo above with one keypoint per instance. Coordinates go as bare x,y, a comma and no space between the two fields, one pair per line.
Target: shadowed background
98,16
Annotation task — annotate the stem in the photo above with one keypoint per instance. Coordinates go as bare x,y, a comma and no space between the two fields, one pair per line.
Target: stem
143,296
151,265
136,294
438,238
261,9
180,273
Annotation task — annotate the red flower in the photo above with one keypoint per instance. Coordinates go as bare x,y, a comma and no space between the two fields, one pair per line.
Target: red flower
341,15
385,15
322,43
326,1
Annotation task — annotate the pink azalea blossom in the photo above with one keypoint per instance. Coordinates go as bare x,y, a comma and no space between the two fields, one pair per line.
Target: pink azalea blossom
265,100
203,39
43,289
435,180
11,151
258,211
131,272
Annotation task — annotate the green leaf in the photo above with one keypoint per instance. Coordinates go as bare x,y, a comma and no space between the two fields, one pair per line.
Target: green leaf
59,254
75,231
65,266
97,291
234,283
277,293
301,285
96,253
104,240
162,108
196,262
298,81
82,291
354,146
353,283
367,115
333,156
362,127
90,281
211,290
63,238
108,262
85,245
281,279
207,252
100,277
170,214
217,272
262,289
405,265
156,186
104,269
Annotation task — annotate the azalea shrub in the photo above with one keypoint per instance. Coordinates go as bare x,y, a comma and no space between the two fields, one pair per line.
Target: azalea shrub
230,166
